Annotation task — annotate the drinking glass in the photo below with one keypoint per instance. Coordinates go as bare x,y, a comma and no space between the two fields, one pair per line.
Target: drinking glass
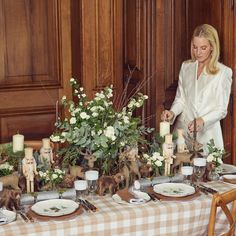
199,168
80,188
92,176
187,172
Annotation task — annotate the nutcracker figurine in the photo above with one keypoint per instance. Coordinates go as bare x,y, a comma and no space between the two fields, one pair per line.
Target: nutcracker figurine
29,169
168,153
46,154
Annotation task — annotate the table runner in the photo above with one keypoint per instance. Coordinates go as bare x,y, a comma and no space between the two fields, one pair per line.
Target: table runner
152,218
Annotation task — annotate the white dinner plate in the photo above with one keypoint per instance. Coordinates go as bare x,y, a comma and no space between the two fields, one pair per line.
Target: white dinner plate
10,215
55,207
231,177
227,169
174,189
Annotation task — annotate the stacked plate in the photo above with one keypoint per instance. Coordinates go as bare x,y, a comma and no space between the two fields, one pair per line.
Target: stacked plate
174,189
55,207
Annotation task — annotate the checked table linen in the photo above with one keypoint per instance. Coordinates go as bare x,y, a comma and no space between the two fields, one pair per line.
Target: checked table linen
165,218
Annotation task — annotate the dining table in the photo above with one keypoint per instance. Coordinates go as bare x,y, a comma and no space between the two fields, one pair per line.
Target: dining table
165,218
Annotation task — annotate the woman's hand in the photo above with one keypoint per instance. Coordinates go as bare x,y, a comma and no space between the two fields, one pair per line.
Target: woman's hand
167,115
199,125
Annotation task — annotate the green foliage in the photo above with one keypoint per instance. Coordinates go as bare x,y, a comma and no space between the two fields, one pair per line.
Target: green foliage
13,157
96,127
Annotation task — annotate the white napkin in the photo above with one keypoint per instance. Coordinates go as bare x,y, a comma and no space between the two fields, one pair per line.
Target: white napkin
3,218
140,197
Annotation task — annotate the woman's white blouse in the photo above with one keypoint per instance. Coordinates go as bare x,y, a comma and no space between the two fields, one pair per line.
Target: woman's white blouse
206,97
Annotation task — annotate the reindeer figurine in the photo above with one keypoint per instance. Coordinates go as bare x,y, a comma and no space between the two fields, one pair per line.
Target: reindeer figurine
128,164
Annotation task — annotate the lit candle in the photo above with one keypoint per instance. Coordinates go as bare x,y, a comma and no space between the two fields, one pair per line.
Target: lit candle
91,175
187,170
164,128
18,142
80,185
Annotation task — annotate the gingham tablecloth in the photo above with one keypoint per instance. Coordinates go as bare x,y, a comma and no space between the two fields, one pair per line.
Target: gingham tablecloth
165,218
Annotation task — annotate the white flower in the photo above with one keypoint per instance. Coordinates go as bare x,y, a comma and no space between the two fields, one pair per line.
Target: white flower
55,138
84,115
54,176
145,97
210,158
126,119
72,120
81,89
99,132
63,98
94,114
83,95
72,80
110,133
158,163
76,91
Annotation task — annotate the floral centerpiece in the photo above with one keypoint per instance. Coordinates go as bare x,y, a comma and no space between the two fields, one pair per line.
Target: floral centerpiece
215,156
52,177
6,169
98,128
156,161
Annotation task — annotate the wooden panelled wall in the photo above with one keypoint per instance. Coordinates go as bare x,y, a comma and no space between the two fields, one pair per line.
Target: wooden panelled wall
99,42
35,64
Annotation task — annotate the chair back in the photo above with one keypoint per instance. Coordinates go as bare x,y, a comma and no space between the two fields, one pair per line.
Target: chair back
222,201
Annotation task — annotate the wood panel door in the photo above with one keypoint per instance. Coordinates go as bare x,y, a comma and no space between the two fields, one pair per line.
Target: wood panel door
34,65
144,55
97,41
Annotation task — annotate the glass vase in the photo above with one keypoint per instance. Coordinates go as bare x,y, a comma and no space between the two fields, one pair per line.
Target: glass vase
213,175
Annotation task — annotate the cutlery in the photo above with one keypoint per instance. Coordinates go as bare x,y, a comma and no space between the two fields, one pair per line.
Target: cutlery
156,197
152,197
209,190
86,208
29,217
23,216
202,190
91,206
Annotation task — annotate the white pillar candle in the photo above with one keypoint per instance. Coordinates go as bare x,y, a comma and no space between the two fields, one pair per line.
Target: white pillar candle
80,185
46,143
91,175
199,162
187,170
18,142
1,186
164,128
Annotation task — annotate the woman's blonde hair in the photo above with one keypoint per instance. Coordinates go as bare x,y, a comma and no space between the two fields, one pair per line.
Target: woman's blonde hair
208,32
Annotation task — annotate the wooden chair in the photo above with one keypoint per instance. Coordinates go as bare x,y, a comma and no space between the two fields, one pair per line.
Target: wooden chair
221,201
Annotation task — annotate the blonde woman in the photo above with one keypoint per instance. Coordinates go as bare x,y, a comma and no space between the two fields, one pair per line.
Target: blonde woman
203,90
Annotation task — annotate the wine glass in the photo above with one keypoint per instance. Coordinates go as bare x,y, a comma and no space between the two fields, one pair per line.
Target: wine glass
199,168
80,188
92,176
187,172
